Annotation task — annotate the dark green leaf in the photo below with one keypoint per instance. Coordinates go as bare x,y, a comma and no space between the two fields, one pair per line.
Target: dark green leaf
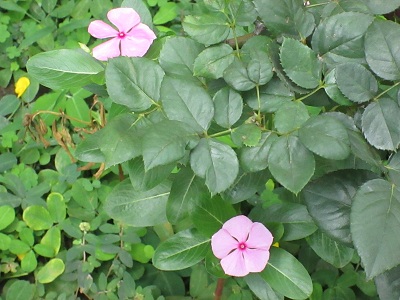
375,219
356,82
300,63
326,137
286,275
261,288
382,6
7,161
54,71
329,250
134,82
287,17
188,103
291,163
216,162
209,214
382,42
393,168
381,124
291,116
246,134
207,29
181,251
228,107
333,91
213,61
243,12
137,208
186,191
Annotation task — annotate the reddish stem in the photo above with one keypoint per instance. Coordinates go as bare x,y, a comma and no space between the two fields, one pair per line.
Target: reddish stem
219,289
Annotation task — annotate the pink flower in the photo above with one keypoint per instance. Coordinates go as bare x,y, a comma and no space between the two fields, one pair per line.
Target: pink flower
131,39
242,246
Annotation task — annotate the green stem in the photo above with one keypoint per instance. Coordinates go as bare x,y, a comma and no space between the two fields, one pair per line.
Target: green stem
221,133
317,4
387,90
312,93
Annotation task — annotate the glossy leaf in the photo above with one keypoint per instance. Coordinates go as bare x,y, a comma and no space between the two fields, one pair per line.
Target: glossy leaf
381,125
50,271
186,192
329,201
57,207
137,208
37,217
209,214
51,68
300,63
261,288
7,216
381,42
128,86
182,250
356,82
375,216
326,137
228,107
213,61
329,250
216,162
286,275
188,103
291,163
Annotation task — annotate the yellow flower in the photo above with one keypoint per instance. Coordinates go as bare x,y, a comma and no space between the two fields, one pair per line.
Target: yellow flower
21,85
276,245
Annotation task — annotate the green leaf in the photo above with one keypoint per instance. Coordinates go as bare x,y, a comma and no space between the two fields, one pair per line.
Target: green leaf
295,218
356,82
115,143
50,271
52,239
286,275
57,207
174,63
216,162
388,284
291,163
186,191
261,288
166,13
333,91
381,124
329,201
290,116
272,96
286,17
212,62
29,262
137,208
334,43
381,43
134,82
246,134
9,104
181,251
329,250
375,219
53,70
228,107
188,103
253,159
207,29
7,216
20,290
382,6
77,108
393,168
146,180
209,214
243,11
166,143
326,137
300,63
37,217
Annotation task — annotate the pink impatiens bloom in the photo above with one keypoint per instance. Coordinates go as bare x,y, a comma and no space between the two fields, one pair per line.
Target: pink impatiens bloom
131,39
242,245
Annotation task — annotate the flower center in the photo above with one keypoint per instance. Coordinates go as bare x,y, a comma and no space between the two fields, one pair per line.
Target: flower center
121,34
242,246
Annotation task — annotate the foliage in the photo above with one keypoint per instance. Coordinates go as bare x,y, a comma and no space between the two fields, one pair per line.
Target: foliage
282,111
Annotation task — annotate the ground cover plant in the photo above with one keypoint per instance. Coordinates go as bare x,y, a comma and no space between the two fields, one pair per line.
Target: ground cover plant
211,149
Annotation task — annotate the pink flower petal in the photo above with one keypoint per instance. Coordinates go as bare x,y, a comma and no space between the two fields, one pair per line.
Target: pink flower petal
142,31
234,264
239,227
134,47
255,259
125,18
222,243
107,50
259,237
101,30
